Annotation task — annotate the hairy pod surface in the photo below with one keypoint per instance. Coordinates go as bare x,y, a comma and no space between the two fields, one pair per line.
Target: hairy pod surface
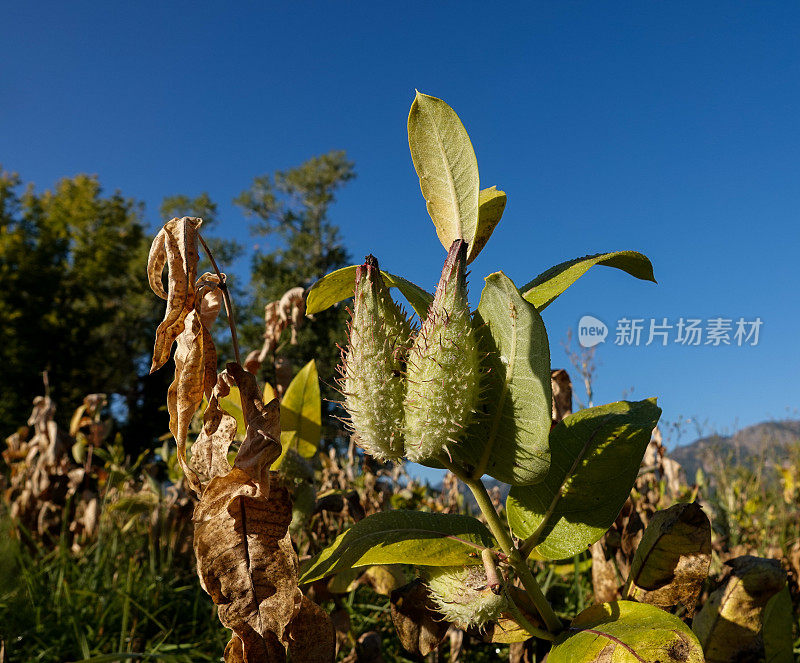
443,366
374,365
463,595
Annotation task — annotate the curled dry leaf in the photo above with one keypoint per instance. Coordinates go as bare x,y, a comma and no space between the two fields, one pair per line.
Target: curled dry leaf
288,311
729,623
672,559
195,368
419,626
246,562
186,391
175,246
210,450
261,446
245,557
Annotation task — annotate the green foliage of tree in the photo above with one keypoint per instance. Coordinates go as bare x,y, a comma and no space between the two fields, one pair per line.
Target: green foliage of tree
73,295
292,206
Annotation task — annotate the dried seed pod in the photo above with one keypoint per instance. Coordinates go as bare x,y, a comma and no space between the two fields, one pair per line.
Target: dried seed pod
374,364
443,366
464,596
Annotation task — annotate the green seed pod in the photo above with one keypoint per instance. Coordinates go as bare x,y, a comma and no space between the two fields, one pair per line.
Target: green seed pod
464,597
374,363
443,366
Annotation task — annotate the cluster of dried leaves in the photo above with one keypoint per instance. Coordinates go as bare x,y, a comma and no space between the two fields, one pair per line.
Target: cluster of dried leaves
45,486
245,557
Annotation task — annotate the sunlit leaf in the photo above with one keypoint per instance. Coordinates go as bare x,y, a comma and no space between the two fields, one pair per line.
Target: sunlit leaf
338,286
491,204
447,168
403,537
301,413
595,458
550,284
510,440
626,632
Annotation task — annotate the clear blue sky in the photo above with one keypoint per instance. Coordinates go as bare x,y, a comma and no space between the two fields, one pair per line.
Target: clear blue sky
668,128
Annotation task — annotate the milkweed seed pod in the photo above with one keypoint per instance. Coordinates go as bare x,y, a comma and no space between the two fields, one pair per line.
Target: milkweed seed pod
463,595
374,364
443,366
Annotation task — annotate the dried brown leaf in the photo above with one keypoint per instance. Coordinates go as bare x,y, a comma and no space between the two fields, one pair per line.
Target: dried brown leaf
729,624
261,446
419,626
176,247
186,391
312,638
210,450
672,560
246,562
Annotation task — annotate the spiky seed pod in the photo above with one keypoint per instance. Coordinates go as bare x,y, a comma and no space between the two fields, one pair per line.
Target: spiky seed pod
463,595
443,366
374,364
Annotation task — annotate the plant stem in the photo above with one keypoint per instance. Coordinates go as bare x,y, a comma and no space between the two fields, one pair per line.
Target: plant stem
503,537
525,623
223,286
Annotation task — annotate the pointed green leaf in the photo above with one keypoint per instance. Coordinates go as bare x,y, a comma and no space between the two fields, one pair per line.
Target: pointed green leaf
403,537
447,168
509,440
626,632
550,284
729,623
672,559
301,413
777,630
491,204
595,458
338,286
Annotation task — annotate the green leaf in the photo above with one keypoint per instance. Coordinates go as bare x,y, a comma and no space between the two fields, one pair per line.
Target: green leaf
595,458
730,621
301,413
626,632
777,630
447,168
338,286
403,537
671,562
491,204
510,440
550,284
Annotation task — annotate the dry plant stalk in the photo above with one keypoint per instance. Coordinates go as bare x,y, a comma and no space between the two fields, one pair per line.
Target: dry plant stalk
245,557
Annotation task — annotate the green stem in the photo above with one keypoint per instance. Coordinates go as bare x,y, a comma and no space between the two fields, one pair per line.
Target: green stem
525,623
501,533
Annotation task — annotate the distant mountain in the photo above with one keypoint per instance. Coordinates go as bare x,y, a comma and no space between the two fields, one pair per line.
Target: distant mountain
766,443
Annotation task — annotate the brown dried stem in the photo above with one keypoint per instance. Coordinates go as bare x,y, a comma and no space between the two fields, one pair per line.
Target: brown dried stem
226,298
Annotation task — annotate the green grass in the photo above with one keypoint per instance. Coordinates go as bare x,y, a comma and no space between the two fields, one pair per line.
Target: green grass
126,596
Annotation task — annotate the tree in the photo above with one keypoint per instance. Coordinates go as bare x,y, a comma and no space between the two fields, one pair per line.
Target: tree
293,206
73,296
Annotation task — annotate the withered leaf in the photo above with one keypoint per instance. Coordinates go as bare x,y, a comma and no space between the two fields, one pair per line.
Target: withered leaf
210,450
176,247
261,446
729,624
186,391
672,560
312,638
246,562
419,626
